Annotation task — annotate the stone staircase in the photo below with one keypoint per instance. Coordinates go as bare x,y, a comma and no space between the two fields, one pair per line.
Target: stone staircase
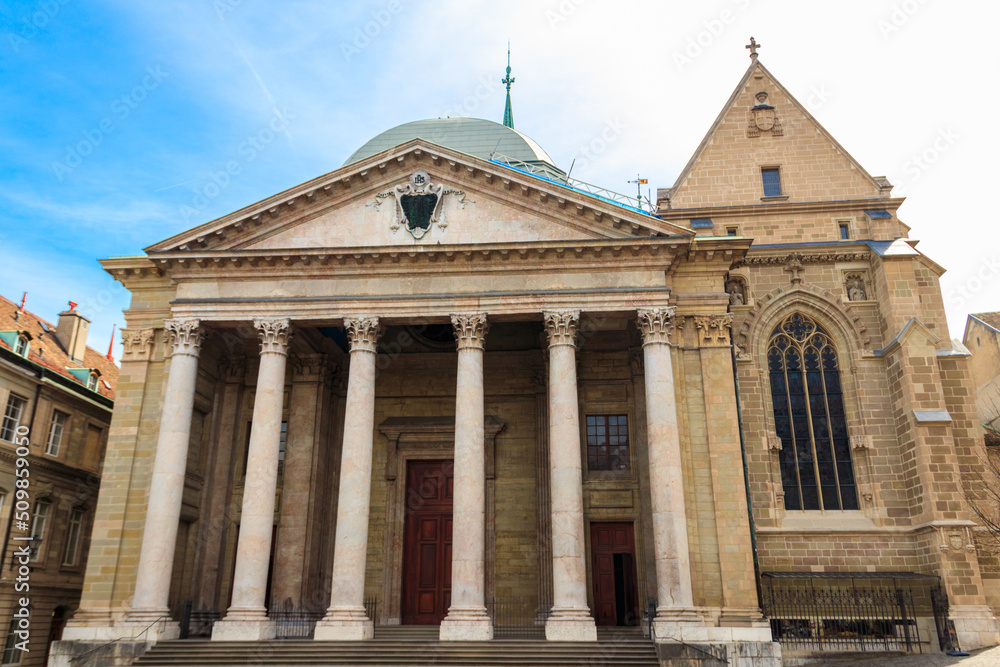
411,645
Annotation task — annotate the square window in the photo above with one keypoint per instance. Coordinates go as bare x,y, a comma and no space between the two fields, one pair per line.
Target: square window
772,182
607,442
732,231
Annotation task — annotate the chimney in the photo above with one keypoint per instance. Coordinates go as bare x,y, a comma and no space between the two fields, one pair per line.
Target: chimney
72,332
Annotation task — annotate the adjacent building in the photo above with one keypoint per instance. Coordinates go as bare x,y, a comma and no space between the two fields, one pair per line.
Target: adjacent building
59,393
445,380
982,338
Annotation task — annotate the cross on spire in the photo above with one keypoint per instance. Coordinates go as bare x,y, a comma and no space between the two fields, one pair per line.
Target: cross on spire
753,46
508,112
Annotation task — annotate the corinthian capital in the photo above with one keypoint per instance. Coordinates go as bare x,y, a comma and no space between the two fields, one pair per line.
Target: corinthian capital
714,328
655,324
274,334
363,332
137,344
561,326
184,336
470,329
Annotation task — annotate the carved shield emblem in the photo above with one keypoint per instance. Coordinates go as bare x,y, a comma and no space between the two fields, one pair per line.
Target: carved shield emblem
764,118
419,203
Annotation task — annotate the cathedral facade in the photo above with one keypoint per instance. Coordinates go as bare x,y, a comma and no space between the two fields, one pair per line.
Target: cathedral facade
445,381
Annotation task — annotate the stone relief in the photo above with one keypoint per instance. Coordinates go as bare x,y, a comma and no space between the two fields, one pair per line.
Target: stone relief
763,118
714,328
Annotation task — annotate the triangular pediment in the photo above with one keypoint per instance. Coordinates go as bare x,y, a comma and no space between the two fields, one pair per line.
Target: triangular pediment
478,201
763,126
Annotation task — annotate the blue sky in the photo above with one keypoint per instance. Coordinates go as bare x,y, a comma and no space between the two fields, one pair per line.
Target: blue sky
118,118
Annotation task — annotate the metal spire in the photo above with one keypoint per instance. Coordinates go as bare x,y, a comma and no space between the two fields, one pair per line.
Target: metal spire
508,113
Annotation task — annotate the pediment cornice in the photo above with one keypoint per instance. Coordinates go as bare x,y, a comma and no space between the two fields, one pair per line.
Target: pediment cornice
577,208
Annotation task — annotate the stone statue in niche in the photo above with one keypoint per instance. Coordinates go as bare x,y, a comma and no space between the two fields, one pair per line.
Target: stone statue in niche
737,293
856,290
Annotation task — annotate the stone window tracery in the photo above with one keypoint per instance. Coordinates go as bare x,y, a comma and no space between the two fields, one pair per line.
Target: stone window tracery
808,404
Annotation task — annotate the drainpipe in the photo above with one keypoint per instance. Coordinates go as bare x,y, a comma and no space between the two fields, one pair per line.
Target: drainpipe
10,516
746,479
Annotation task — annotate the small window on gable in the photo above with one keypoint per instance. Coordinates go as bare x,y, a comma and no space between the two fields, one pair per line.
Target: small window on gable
21,346
771,177
92,382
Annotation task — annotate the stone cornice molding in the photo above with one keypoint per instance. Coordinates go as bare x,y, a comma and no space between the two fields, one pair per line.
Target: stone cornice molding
363,332
561,326
656,324
137,344
184,336
714,328
744,211
470,330
275,334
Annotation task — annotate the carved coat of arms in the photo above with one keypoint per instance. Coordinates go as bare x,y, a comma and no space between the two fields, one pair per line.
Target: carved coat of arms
419,204
763,118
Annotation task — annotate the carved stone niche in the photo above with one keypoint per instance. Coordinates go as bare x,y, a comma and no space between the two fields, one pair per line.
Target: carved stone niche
739,294
425,439
857,286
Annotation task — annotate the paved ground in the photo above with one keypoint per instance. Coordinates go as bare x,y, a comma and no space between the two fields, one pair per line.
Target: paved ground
984,658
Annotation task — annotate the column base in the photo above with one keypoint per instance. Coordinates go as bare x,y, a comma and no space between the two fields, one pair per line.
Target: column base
679,624
466,624
243,625
345,624
570,624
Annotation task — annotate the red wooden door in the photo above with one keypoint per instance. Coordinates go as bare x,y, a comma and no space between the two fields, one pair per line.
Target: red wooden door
427,542
612,550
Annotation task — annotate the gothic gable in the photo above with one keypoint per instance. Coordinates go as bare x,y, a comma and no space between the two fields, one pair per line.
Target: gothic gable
762,126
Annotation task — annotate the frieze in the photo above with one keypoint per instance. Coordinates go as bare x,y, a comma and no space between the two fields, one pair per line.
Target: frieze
802,258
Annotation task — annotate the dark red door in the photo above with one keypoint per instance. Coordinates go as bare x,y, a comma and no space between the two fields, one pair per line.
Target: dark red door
427,542
612,548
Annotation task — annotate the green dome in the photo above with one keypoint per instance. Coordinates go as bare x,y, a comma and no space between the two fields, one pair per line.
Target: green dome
473,136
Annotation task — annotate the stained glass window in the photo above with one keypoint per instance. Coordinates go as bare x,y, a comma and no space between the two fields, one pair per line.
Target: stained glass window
808,403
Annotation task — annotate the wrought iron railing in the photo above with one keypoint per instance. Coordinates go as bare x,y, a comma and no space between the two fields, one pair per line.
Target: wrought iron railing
292,622
517,618
830,615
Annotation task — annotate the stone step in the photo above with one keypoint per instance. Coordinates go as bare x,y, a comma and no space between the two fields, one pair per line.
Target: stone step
632,651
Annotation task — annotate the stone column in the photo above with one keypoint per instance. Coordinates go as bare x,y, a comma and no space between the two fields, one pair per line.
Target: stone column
166,486
346,618
570,619
675,611
246,619
467,619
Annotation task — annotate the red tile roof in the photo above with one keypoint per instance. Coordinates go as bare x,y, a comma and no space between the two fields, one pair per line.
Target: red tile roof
45,349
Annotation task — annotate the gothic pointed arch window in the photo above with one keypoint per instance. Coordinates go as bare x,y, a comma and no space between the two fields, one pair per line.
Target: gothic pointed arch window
808,403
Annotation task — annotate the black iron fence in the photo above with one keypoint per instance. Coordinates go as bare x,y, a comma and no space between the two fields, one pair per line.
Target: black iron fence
292,622
847,611
517,618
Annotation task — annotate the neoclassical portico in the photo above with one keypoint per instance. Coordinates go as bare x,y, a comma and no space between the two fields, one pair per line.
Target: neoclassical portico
504,429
